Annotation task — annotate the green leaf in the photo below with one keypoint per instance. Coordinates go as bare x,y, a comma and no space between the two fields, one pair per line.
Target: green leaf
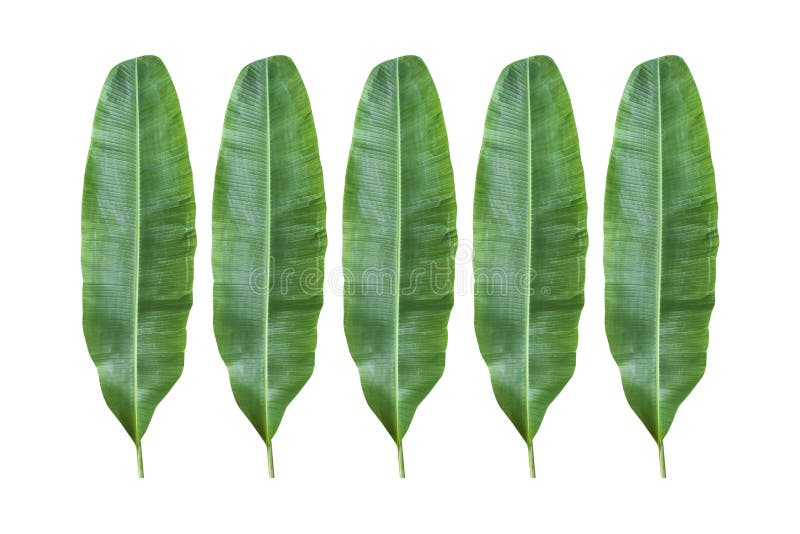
399,242
529,242
660,242
138,242
269,242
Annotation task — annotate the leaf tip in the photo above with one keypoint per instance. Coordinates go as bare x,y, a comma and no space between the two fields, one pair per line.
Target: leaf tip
542,60
149,60
408,60
281,60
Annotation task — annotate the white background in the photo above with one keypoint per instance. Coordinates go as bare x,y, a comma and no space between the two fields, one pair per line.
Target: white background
732,454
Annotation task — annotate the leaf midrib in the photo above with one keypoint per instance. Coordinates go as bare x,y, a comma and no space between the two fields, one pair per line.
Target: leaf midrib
137,437
398,257
658,256
267,221
528,436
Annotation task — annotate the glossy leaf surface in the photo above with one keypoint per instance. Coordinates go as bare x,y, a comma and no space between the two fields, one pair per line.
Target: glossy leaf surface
269,242
138,241
660,242
399,242
530,241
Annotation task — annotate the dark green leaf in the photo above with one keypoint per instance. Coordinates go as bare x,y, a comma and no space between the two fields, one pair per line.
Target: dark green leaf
529,242
269,242
399,241
138,241
660,242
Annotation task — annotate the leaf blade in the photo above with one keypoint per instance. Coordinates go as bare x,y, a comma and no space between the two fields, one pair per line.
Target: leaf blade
399,230
138,241
661,240
530,241
269,241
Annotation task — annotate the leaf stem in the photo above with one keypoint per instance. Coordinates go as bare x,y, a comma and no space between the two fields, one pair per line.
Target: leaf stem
661,459
400,460
270,464
139,463
531,463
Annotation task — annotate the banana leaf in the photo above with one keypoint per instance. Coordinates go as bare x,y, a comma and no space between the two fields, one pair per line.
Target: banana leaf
138,242
399,242
660,242
529,242
269,242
